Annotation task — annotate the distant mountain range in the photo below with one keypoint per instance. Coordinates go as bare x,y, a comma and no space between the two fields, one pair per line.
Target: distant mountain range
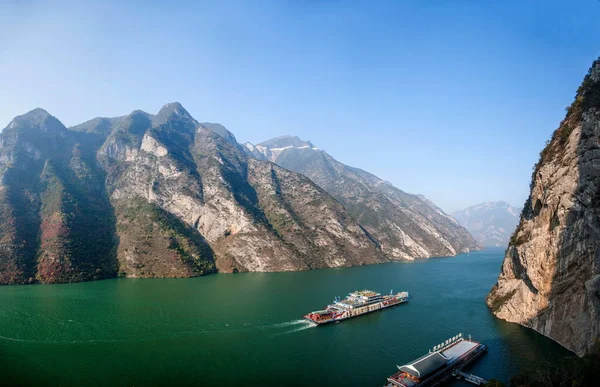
164,195
491,223
406,226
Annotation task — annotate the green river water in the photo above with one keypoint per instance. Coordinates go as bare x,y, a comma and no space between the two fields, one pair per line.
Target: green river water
246,329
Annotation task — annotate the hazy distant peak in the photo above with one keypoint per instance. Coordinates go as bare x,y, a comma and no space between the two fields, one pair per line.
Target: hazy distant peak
493,206
492,223
284,142
278,146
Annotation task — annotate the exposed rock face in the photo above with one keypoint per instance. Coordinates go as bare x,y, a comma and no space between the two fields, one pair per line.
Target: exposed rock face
407,226
550,279
158,196
491,223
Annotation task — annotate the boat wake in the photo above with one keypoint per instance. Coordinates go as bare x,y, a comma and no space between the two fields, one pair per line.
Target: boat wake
294,326
269,330
287,324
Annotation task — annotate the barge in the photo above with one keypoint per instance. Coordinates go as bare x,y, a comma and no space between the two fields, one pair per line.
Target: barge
356,304
441,363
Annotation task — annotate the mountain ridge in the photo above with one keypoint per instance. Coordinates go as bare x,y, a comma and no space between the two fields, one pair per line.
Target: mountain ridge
407,226
160,195
175,197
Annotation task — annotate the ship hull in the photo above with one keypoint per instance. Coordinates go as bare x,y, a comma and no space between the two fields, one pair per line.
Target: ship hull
347,317
319,322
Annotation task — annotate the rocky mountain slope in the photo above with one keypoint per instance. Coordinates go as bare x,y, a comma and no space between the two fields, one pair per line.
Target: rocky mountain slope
407,226
158,196
550,278
491,223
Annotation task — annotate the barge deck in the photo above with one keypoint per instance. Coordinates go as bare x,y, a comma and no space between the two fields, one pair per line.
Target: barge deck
441,363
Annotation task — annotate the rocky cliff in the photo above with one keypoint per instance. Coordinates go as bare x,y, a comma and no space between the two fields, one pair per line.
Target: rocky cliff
550,278
406,226
490,223
158,196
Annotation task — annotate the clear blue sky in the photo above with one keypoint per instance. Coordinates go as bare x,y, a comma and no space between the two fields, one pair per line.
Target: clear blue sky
451,99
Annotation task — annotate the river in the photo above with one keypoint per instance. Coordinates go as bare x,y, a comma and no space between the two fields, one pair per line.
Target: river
246,328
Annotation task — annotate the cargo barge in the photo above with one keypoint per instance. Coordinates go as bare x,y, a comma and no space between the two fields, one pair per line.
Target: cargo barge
441,363
356,304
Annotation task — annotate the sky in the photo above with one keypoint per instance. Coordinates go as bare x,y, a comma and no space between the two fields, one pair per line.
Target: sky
453,99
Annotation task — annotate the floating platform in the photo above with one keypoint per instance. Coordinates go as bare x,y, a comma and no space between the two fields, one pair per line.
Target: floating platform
441,363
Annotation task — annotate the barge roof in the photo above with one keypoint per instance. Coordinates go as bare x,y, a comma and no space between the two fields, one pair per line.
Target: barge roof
424,365
432,361
459,349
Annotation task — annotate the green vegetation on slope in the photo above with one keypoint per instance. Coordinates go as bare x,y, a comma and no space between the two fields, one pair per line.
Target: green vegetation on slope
154,243
570,372
77,230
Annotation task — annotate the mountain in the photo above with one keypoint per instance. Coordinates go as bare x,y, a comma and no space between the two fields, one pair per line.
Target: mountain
158,196
550,278
51,197
491,223
406,226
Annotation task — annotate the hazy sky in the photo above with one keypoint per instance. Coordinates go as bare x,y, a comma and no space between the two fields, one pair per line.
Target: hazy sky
451,99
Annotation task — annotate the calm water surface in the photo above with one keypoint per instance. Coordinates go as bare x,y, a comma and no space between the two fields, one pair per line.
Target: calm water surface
245,329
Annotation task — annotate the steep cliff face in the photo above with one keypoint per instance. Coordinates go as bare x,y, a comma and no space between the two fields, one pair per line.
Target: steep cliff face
550,278
407,226
158,196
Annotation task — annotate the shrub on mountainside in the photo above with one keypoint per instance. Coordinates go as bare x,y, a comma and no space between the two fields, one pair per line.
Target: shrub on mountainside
569,372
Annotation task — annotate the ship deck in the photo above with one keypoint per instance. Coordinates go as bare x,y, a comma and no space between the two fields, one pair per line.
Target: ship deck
365,293
351,308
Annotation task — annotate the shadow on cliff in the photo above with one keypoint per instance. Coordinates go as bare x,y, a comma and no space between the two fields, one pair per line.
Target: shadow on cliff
575,285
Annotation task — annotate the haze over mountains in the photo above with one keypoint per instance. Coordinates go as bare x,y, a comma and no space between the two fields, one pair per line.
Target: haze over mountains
490,223
407,226
166,196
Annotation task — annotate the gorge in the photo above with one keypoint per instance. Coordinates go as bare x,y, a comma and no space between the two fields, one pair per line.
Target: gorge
167,196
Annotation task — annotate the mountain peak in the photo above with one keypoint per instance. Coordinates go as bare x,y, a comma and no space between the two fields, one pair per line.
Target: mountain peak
172,105
172,110
37,118
37,113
